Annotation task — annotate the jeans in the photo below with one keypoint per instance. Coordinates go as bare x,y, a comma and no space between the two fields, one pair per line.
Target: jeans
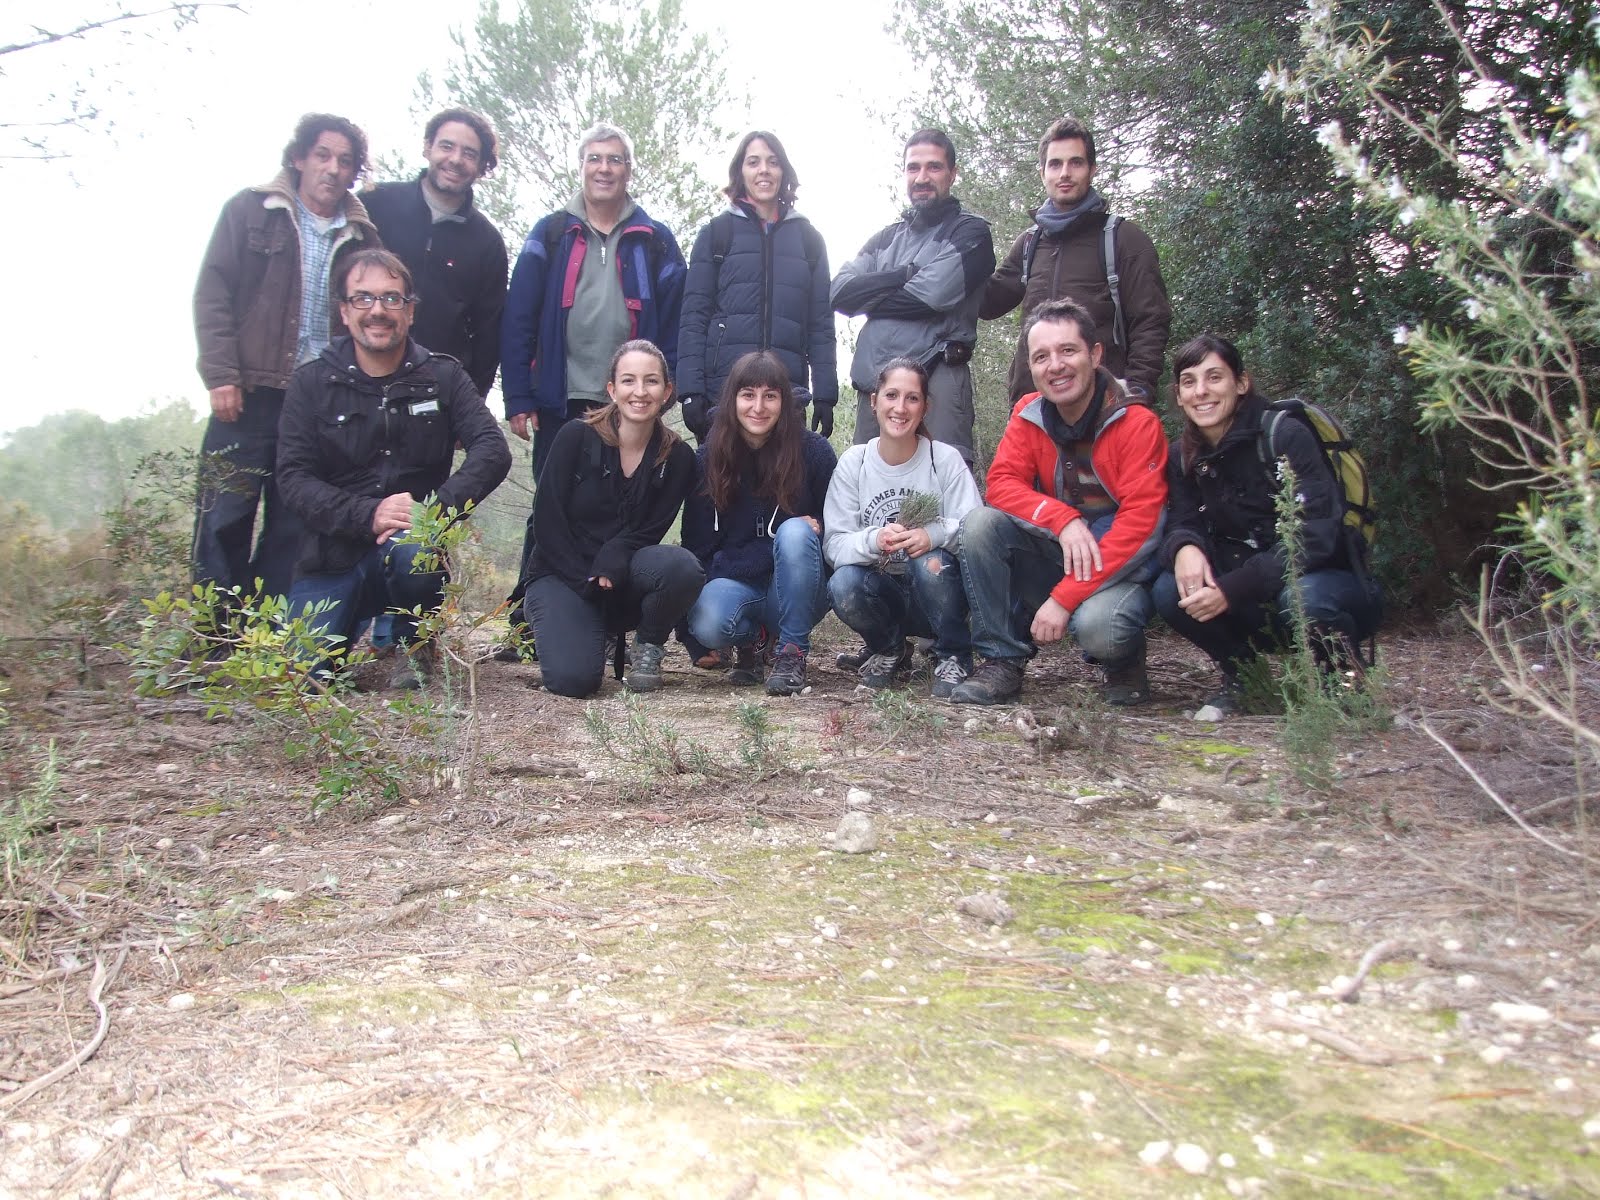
950,416
927,601
550,423
731,612
383,580
570,627
1009,568
1338,599
237,475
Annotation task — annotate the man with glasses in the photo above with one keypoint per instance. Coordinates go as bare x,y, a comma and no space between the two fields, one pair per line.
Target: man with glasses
589,277
455,254
262,307
369,431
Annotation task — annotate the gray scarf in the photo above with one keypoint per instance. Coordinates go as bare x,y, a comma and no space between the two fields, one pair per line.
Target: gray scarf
1056,223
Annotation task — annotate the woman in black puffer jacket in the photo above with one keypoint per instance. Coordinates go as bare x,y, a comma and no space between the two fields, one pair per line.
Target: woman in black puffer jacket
758,280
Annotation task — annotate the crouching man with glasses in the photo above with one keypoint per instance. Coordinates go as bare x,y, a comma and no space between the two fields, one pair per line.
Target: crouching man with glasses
369,431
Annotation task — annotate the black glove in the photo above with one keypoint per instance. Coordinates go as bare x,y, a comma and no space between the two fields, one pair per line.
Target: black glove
822,417
697,416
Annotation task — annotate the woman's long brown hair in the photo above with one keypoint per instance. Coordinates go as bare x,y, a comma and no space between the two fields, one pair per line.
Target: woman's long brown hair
603,420
776,470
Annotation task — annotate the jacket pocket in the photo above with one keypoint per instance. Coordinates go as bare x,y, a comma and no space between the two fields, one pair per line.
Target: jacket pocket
272,240
350,438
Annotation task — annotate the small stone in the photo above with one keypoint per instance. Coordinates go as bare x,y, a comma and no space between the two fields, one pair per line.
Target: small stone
181,1002
971,725
1591,1127
1191,1158
390,821
166,768
856,834
1209,713
164,843
1267,919
1493,1055
1520,1014
858,798
1264,1146
1154,1152
1226,1162
1466,982
989,818
1561,1084
987,907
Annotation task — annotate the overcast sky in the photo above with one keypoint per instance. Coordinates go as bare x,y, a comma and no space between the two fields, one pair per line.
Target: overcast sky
103,246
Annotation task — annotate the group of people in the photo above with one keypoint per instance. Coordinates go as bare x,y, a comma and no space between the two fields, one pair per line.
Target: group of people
349,339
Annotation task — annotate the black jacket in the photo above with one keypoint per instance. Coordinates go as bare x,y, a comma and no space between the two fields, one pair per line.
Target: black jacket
1224,503
459,268
346,441
589,519
769,293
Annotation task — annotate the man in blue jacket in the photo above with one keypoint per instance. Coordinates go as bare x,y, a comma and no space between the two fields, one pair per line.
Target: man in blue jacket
455,254
590,276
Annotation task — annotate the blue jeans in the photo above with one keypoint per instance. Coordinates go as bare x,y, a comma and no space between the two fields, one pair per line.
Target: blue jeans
1338,599
383,580
731,612
570,627
1009,568
927,601
226,549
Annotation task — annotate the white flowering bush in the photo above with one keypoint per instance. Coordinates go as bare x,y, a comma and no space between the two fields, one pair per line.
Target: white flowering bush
1513,242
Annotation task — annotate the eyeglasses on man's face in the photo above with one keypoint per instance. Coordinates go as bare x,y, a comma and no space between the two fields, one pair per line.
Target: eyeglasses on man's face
610,160
389,300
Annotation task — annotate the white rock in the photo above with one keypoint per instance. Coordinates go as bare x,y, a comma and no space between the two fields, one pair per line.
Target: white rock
1191,1158
1493,1055
1466,982
1267,919
858,798
1591,1127
181,1002
1226,1162
1154,1152
1561,1084
971,725
856,834
1209,713
1264,1146
166,768
1520,1014
164,844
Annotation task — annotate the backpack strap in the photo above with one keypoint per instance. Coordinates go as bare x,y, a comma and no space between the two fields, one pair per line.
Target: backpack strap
1030,244
1108,262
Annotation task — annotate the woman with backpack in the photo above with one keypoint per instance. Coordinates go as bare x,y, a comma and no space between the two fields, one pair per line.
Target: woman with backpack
754,520
1226,586
758,280
610,490
893,510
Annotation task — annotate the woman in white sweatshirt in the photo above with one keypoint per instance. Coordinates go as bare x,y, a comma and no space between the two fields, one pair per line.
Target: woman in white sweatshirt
897,578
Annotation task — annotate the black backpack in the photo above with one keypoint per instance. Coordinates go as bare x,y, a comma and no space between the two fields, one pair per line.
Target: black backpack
1108,264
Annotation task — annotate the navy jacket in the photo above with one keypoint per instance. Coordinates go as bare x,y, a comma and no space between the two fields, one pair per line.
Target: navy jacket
346,441
769,293
459,268
533,332
737,543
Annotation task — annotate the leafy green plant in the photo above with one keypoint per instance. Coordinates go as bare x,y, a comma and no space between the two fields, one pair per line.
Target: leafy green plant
652,746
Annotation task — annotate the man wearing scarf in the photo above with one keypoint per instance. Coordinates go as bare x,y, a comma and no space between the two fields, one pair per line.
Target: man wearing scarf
1062,256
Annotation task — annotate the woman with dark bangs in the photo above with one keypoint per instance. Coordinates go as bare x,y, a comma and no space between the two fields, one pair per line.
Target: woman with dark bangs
1226,586
754,520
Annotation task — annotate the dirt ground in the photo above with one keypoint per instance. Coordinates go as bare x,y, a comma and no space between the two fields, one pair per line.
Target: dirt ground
1093,953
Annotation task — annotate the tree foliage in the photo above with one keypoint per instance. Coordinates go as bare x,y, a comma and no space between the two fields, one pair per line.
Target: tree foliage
1258,243
548,69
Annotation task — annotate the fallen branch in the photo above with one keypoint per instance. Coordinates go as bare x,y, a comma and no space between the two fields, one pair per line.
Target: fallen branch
1441,960
98,982
1348,1047
1443,1141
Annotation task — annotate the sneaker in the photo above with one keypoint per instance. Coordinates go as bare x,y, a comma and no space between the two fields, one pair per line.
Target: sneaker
749,659
415,668
948,674
1229,698
788,671
879,670
1338,657
1126,685
996,681
645,674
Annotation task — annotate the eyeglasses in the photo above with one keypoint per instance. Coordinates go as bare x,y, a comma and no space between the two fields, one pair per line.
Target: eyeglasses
389,300
610,160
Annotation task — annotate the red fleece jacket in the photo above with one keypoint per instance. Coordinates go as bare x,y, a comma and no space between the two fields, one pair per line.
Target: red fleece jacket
1129,458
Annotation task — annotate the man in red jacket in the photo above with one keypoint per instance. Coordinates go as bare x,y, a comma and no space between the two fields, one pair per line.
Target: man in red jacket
1076,496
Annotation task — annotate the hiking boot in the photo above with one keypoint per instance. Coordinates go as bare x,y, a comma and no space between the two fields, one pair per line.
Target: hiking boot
1229,698
1338,657
748,661
1126,685
711,660
788,671
879,670
852,660
415,668
996,681
518,646
645,674
949,673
